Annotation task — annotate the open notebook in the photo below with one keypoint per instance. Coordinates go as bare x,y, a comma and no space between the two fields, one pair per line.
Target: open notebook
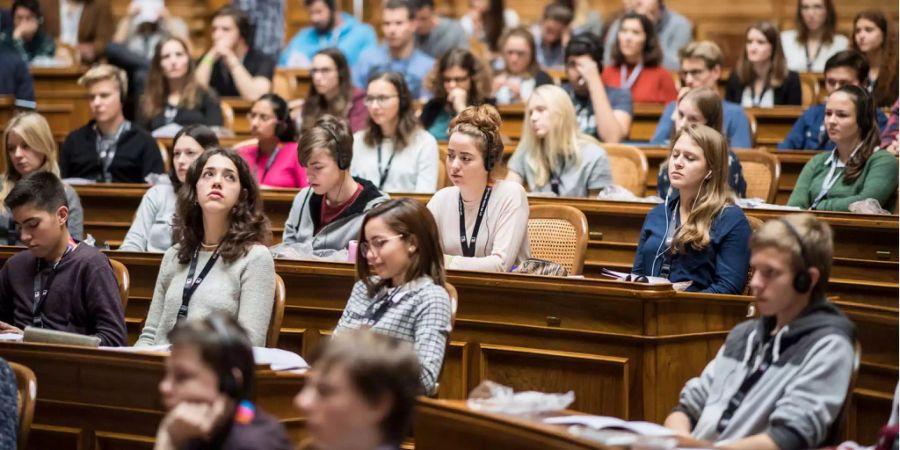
612,423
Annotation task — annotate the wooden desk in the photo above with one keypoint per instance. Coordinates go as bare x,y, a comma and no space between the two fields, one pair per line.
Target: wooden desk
59,97
97,399
240,107
644,118
771,125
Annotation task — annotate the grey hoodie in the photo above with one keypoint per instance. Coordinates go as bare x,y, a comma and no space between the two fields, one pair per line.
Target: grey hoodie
796,400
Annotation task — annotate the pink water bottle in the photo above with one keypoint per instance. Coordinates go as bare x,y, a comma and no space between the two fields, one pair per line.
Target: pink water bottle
351,251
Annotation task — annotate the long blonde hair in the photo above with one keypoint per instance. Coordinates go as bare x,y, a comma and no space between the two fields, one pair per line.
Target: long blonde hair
35,131
562,145
714,193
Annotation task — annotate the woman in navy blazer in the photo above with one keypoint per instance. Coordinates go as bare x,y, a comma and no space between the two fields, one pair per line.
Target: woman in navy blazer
698,235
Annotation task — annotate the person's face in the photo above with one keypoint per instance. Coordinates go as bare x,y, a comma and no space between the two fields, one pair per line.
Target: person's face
104,100
188,379
867,35
649,8
185,152
40,230
320,17
174,60
578,85
695,74
517,55
219,186
322,171
24,16
262,120
324,73
758,48
336,413
687,164
225,31
383,102
840,118
813,13
397,27
772,282
465,163
24,158
456,77
687,113
552,31
632,38
479,6
839,77
540,116
424,21
386,251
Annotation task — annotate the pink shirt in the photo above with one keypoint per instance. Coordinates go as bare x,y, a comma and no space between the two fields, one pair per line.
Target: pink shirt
284,171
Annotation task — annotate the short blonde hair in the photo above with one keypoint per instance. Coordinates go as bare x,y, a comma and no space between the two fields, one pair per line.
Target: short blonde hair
816,240
708,51
103,72
32,128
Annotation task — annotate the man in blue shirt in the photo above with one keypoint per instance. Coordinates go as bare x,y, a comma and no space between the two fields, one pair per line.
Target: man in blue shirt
701,66
15,78
808,132
398,53
330,28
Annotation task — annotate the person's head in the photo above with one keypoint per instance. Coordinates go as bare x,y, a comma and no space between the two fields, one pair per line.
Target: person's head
475,146
876,35
815,15
637,42
460,69
231,27
331,89
26,11
425,17
209,359
321,14
580,46
39,207
397,24
220,186
791,262
870,28
550,135
188,144
29,146
325,150
518,49
399,242
171,61
652,9
555,23
699,106
390,104
762,46
492,19
270,118
107,87
850,120
701,64
845,67
172,58
362,385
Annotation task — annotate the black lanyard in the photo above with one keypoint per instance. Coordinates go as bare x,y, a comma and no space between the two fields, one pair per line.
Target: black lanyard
468,246
191,284
373,314
269,163
811,61
382,176
745,387
753,99
42,287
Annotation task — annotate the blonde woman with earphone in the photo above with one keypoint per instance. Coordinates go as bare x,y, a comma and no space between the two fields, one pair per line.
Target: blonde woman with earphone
698,237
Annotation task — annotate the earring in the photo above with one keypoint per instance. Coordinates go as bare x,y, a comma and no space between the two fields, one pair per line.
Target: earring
411,249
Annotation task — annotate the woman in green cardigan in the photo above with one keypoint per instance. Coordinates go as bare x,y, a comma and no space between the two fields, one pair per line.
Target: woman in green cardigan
856,169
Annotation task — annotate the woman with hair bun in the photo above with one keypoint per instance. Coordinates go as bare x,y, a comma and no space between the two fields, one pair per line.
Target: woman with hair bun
274,158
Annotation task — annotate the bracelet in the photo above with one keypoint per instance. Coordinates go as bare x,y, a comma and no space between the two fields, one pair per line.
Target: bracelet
208,59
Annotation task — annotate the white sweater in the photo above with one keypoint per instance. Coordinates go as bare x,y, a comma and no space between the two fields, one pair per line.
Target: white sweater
795,52
413,169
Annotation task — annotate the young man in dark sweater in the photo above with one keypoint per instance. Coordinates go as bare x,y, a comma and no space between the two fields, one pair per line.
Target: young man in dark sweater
58,284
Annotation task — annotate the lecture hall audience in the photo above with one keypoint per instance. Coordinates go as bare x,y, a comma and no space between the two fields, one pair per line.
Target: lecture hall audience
551,35
673,30
436,35
86,25
332,92
815,39
521,73
329,28
28,34
459,80
637,57
273,158
761,78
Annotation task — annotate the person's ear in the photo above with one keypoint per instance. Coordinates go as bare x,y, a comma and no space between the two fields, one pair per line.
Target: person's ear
717,71
62,214
381,408
814,276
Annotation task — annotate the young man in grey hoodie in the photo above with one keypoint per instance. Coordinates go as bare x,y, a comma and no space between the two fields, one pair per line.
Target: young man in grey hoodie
779,382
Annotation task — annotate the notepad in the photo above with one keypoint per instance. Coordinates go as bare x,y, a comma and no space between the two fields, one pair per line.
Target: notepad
603,422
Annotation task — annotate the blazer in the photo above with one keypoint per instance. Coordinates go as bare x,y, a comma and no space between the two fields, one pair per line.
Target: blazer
789,93
95,27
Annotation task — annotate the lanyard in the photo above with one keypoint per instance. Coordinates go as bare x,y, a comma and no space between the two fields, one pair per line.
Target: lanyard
832,177
382,175
754,100
626,83
191,284
42,286
373,314
810,61
269,163
468,246
745,387
107,152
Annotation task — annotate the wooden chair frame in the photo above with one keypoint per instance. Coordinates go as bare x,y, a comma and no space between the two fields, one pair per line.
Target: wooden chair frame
27,387
637,158
573,216
277,313
768,159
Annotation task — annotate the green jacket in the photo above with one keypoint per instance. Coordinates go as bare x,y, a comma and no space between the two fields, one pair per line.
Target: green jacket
878,180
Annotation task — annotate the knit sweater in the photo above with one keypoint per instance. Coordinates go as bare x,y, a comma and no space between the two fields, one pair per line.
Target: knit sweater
244,288
413,168
151,230
878,180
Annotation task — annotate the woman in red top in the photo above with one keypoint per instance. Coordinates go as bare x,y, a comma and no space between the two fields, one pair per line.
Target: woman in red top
637,57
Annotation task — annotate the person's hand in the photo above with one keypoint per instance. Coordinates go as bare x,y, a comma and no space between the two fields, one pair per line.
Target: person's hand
86,50
515,87
26,30
134,9
189,421
499,82
7,328
165,14
892,148
587,68
457,98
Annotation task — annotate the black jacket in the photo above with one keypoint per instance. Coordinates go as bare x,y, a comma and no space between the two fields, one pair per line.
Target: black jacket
137,155
789,93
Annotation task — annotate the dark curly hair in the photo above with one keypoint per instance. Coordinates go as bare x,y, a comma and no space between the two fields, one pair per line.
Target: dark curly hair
248,225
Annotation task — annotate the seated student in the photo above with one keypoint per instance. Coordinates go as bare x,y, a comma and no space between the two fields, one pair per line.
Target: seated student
15,78
207,388
327,214
521,73
761,78
808,133
232,66
332,92
329,27
701,66
109,148
151,230
459,80
274,157
637,58
27,33
411,159
436,35
807,48
478,205
400,292
696,106
602,111
398,53
485,21
551,36
889,130
875,36
795,361
371,378
673,29
856,169
698,235
85,25
267,19
553,155
218,215
30,147
58,283
172,95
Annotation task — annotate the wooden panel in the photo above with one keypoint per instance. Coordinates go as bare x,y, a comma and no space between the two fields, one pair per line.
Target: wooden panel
455,370
44,437
119,441
773,124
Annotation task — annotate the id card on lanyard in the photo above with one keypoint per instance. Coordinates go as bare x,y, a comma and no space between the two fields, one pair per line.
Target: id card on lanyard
383,173
42,286
191,284
468,245
268,166
832,177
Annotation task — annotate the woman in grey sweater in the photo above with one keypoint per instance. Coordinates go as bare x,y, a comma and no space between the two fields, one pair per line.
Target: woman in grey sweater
151,230
219,261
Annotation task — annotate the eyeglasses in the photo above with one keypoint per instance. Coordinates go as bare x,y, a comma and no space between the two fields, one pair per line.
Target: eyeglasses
322,70
693,73
376,244
262,117
378,99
